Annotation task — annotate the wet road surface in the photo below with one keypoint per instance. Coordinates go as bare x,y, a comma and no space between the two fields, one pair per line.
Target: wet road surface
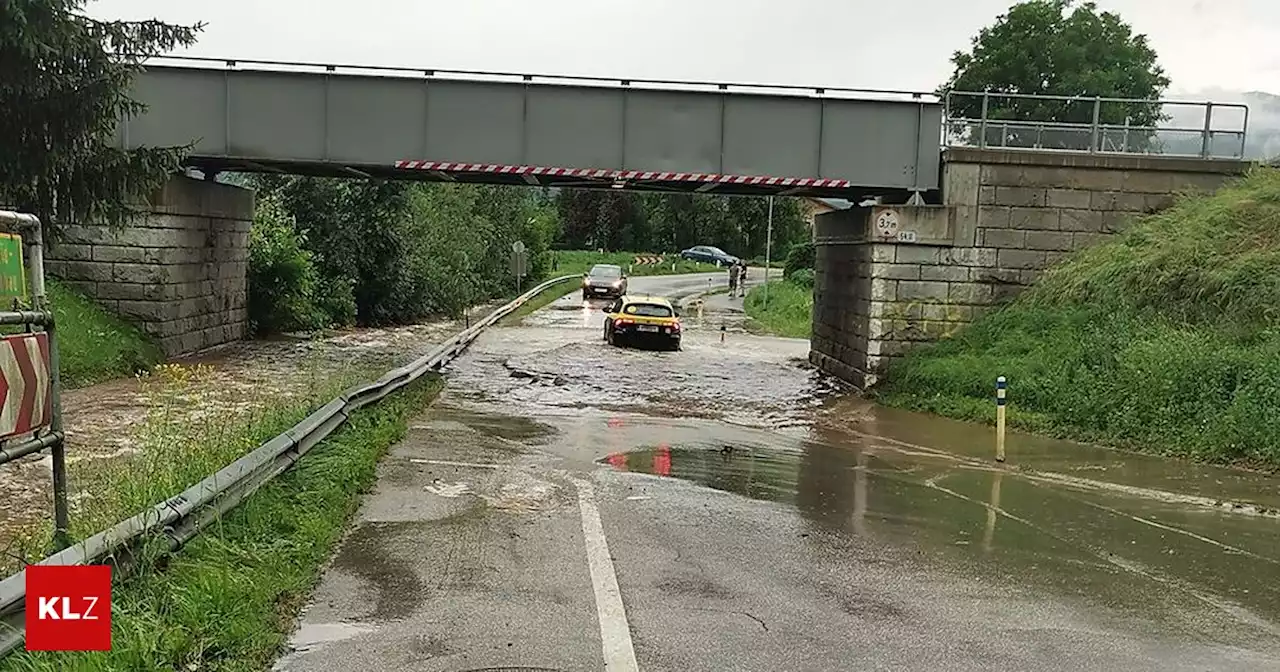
566,505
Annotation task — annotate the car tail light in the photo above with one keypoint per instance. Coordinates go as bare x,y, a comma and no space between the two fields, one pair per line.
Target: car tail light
675,327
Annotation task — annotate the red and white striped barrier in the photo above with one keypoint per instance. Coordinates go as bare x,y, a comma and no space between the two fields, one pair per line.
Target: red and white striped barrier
647,261
24,384
603,174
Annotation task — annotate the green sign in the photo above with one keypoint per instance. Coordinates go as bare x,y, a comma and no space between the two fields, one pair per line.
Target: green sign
13,281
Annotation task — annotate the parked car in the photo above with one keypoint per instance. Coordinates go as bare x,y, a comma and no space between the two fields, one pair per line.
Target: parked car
710,255
632,320
604,281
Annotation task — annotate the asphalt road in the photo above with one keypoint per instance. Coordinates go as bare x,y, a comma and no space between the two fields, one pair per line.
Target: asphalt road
566,505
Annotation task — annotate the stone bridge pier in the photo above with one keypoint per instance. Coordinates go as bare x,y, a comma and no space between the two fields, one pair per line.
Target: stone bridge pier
889,277
179,271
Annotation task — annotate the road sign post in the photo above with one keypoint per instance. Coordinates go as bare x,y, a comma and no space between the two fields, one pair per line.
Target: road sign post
519,263
768,245
30,387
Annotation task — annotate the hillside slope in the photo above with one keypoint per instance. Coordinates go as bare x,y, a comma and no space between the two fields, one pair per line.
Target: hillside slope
1165,339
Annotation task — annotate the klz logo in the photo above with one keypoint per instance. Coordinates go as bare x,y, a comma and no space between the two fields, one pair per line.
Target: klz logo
68,608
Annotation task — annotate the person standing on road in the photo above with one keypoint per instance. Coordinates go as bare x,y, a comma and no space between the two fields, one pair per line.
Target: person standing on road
733,280
742,278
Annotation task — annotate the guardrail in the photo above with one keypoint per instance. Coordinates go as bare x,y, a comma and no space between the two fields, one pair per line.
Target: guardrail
1095,125
180,518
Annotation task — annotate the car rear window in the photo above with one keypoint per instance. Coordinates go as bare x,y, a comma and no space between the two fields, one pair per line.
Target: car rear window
647,310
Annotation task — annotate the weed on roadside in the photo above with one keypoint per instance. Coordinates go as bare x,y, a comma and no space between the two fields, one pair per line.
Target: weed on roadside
1165,339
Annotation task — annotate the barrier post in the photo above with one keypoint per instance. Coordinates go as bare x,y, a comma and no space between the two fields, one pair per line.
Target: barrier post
1001,384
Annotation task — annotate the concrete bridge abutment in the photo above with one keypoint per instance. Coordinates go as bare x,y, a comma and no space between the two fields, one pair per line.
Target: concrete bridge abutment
888,278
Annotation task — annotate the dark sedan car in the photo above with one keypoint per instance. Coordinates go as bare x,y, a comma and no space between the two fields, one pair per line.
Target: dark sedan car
710,255
604,281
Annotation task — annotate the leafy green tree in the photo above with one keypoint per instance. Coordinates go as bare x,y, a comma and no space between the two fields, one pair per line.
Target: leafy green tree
64,83
1058,48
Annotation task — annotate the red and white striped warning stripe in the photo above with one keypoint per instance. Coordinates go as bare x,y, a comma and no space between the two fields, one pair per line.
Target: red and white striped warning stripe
24,384
647,260
600,173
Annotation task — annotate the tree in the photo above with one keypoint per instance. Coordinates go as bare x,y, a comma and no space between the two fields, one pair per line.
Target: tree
1058,48
64,84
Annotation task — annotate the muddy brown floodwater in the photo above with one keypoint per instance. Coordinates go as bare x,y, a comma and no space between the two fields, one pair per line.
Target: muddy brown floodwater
103,422
758,518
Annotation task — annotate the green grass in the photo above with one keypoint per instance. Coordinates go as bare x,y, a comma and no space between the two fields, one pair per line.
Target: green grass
788,311
543,299
580,261
93,344
228,600
1165,339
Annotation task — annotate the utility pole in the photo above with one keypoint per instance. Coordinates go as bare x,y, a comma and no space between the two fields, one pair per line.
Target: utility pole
768,244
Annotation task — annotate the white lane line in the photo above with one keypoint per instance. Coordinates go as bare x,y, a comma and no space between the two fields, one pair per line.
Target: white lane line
615,632
448,463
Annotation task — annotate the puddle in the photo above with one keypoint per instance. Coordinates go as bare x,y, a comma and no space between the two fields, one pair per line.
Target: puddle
378,553
1145,558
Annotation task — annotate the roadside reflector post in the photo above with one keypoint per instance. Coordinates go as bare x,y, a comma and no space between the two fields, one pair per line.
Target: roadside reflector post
1001,389
722,332
700,305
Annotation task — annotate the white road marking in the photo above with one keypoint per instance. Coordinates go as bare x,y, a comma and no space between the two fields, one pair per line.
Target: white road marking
615,632
448,489
449,463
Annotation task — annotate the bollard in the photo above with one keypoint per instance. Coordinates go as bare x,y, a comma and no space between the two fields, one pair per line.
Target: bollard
722,333
1001,384
700,305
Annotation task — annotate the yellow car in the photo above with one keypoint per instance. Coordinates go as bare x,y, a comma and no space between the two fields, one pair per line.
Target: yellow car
634,319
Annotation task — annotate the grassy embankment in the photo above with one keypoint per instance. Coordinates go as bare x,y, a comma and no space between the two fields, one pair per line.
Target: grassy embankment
788,311
1166,339
569,262
93,344
227,601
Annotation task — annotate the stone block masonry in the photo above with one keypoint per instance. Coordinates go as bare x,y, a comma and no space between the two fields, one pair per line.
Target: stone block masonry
180,271
887,282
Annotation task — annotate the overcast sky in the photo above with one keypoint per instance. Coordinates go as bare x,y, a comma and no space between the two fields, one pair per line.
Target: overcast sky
883,44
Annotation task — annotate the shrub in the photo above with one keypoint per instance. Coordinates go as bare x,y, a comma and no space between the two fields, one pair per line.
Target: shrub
802,277
282,278
801,256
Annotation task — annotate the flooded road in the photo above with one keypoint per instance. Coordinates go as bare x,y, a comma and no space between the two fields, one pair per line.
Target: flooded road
566,505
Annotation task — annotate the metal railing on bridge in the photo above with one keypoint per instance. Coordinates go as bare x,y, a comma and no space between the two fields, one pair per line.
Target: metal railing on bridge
1095,125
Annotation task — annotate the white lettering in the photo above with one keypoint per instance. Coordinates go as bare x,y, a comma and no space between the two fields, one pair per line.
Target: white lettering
46,608
88,611
67,614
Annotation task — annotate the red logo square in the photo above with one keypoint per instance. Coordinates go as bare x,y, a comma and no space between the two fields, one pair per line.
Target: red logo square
68,608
